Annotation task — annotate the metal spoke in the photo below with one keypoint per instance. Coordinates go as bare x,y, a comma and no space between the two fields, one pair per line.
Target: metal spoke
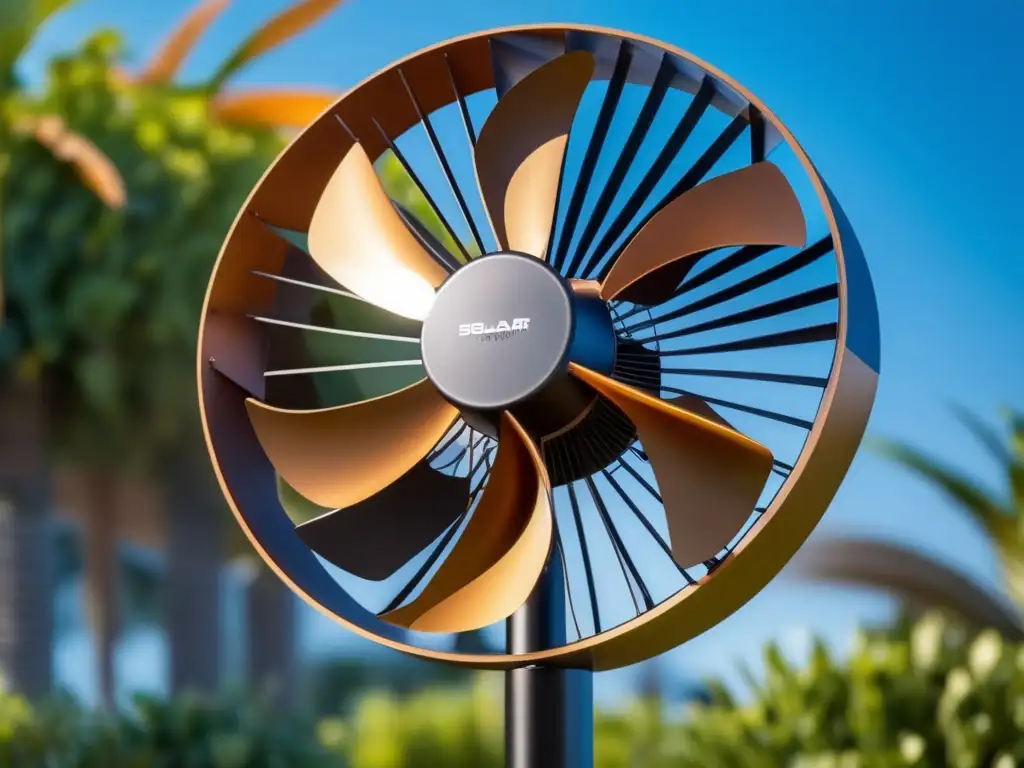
692,177
732,262
784,306
669,152
597,140
336,331
808,335
438,550
463,109
773,274
312,286
757,135
442,160
647,524
423,190
625,561
587,566
337,368
778,378
448,443
641,479
565,579
765,414
655,97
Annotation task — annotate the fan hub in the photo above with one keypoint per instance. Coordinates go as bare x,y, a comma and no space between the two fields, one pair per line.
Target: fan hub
499,331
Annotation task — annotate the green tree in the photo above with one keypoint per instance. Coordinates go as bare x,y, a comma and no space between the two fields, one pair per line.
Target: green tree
103,309
921,581
56,153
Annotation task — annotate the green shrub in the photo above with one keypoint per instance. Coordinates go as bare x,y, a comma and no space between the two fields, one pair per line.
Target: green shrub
926,693
190,732
454,727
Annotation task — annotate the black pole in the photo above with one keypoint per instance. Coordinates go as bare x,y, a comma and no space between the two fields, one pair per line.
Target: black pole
549,711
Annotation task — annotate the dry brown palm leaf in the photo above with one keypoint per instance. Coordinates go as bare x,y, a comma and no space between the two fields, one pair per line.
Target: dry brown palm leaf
271,108
97,171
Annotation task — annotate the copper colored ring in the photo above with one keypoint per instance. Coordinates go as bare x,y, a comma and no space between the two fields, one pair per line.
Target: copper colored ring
287,195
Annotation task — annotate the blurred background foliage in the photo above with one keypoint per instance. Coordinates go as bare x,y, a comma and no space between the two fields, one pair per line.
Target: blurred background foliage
116,191
924,692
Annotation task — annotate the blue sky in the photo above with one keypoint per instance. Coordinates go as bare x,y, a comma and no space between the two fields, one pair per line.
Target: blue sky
909,111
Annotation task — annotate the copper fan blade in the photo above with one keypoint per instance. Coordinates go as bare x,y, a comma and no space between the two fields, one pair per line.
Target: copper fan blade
337,457
359,239
376,537
521,150
752,206
709,475
501,553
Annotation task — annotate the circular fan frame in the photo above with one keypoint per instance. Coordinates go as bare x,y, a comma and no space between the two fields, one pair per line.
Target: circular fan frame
290,190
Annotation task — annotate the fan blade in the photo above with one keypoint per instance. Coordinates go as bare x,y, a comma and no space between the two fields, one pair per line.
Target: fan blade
336,457
376,537
500,555
752,206
709,475
360,240
521,150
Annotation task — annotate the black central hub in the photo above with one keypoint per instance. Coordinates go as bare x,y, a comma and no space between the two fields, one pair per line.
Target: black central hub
501,335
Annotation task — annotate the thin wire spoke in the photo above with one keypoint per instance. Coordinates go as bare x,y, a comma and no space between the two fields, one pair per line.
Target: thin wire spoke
438,550
335,331
463,426
768,276
625,561
585,551
338,368
655,97
423,190
733,261
761,412
692,177
757,135
784,306
647,524
461,455
565,581
442,160
694,112
808,335
641,479
597,139
311,286
643,519
730,263
549,460
467,122
781,468
777,378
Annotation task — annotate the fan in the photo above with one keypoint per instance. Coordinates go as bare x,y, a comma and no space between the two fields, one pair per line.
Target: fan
557,385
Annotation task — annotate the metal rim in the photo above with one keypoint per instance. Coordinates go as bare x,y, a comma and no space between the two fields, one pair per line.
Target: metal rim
829,448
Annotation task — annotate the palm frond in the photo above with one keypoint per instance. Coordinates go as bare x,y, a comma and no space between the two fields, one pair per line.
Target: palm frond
910,575
990,512
277,31
167,60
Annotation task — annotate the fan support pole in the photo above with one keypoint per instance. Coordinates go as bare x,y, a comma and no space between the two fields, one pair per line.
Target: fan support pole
549,711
